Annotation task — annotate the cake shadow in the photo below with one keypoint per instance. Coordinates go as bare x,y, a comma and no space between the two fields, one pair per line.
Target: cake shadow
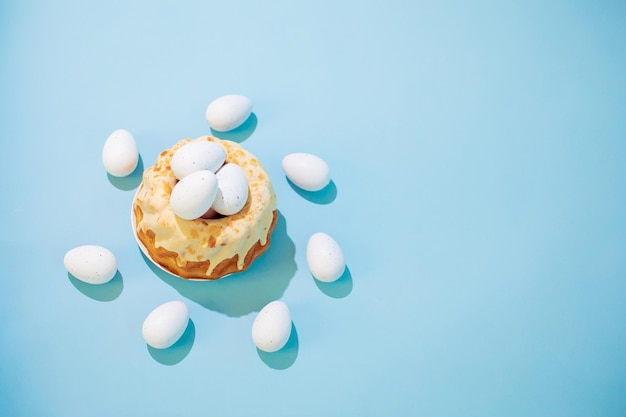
245,292
240,133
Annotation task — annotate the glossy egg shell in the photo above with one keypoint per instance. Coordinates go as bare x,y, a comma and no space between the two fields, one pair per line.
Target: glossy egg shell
92,264
120,154
307,171
272,327
228,112
197,156
165,324
193,195
232,190
325,257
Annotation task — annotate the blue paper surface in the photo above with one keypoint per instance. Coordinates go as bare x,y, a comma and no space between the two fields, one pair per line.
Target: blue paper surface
478,192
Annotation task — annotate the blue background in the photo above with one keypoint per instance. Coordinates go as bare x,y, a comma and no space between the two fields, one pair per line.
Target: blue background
479,194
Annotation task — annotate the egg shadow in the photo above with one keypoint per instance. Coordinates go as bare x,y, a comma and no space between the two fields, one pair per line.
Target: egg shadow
285,357
241,133
326,195
129,182
178,351
108,291
340,288
244,292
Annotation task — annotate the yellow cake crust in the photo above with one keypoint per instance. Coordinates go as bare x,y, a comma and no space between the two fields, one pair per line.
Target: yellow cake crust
204,248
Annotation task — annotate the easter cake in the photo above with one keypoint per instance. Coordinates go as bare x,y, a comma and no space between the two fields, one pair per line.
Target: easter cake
204,214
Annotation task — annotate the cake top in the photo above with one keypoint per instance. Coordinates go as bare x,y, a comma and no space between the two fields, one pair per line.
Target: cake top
201,239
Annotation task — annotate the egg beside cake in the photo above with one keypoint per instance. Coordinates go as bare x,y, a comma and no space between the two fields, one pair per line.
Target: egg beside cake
205,244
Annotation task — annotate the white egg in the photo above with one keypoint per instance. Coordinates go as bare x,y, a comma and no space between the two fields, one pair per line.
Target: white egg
91,263
193,195
307,171
272,327
232,190
197,156
120,154
165,324
228,112
325,257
